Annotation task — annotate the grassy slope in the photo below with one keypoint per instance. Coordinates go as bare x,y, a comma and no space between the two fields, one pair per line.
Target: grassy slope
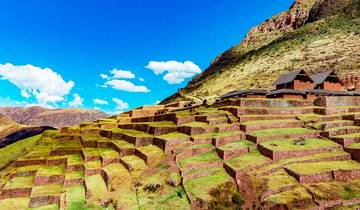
13,151
330,42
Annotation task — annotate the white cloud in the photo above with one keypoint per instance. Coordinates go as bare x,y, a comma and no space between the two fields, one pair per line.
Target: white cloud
125,86
157,102
117,73
100,101
25,94
175,72
120,104
104,76
78,101
47,86
141,79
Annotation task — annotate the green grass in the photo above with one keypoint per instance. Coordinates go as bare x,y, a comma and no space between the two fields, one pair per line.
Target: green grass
269,108
354,146
28,168
75,159
131,132
50,171
211,170
352,135
20,182
308,117
123,144
252,158
96,185
103,152
288,197
160,123
288,144
318,167
75,197
281,131
279,179
256,122
136,163
205,157
197,124
15,203
52,189
173,135
183,113
74,175
67,144
283,162
13,151
47,207
200,146
96,164
217,135
200,187
343,127
153,152
320,124
237,145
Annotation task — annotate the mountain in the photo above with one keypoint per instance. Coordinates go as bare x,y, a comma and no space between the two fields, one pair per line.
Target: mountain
56,118
8,126
313,35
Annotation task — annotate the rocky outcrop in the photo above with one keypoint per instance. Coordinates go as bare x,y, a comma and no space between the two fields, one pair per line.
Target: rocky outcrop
56,118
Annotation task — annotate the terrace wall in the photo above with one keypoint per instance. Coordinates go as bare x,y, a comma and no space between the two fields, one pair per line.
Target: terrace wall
326,176
278,155
327,101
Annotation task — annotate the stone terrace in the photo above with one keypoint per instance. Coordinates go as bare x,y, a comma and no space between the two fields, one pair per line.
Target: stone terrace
268,150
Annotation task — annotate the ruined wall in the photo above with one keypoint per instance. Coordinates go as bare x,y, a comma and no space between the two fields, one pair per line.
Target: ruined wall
352,82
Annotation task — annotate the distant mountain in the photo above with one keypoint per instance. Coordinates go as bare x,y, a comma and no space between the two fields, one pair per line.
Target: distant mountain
57,118
313,34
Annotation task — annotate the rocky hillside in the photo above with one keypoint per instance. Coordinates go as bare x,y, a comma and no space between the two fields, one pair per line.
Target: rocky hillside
56,118
8,126
313,35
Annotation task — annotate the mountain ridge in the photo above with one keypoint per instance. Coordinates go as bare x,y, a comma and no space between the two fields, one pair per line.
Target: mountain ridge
312,34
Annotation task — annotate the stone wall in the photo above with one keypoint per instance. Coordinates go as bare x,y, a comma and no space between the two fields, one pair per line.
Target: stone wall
278,155
328,101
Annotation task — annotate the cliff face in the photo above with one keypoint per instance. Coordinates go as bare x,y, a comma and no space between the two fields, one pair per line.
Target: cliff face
56,118
312,34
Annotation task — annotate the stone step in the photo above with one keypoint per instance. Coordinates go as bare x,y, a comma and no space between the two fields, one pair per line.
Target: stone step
340,131
333,124
281,133
238,111
232,149
250,126
336,110
245,118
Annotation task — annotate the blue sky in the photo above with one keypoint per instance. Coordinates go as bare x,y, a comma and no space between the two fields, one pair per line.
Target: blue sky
52,53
